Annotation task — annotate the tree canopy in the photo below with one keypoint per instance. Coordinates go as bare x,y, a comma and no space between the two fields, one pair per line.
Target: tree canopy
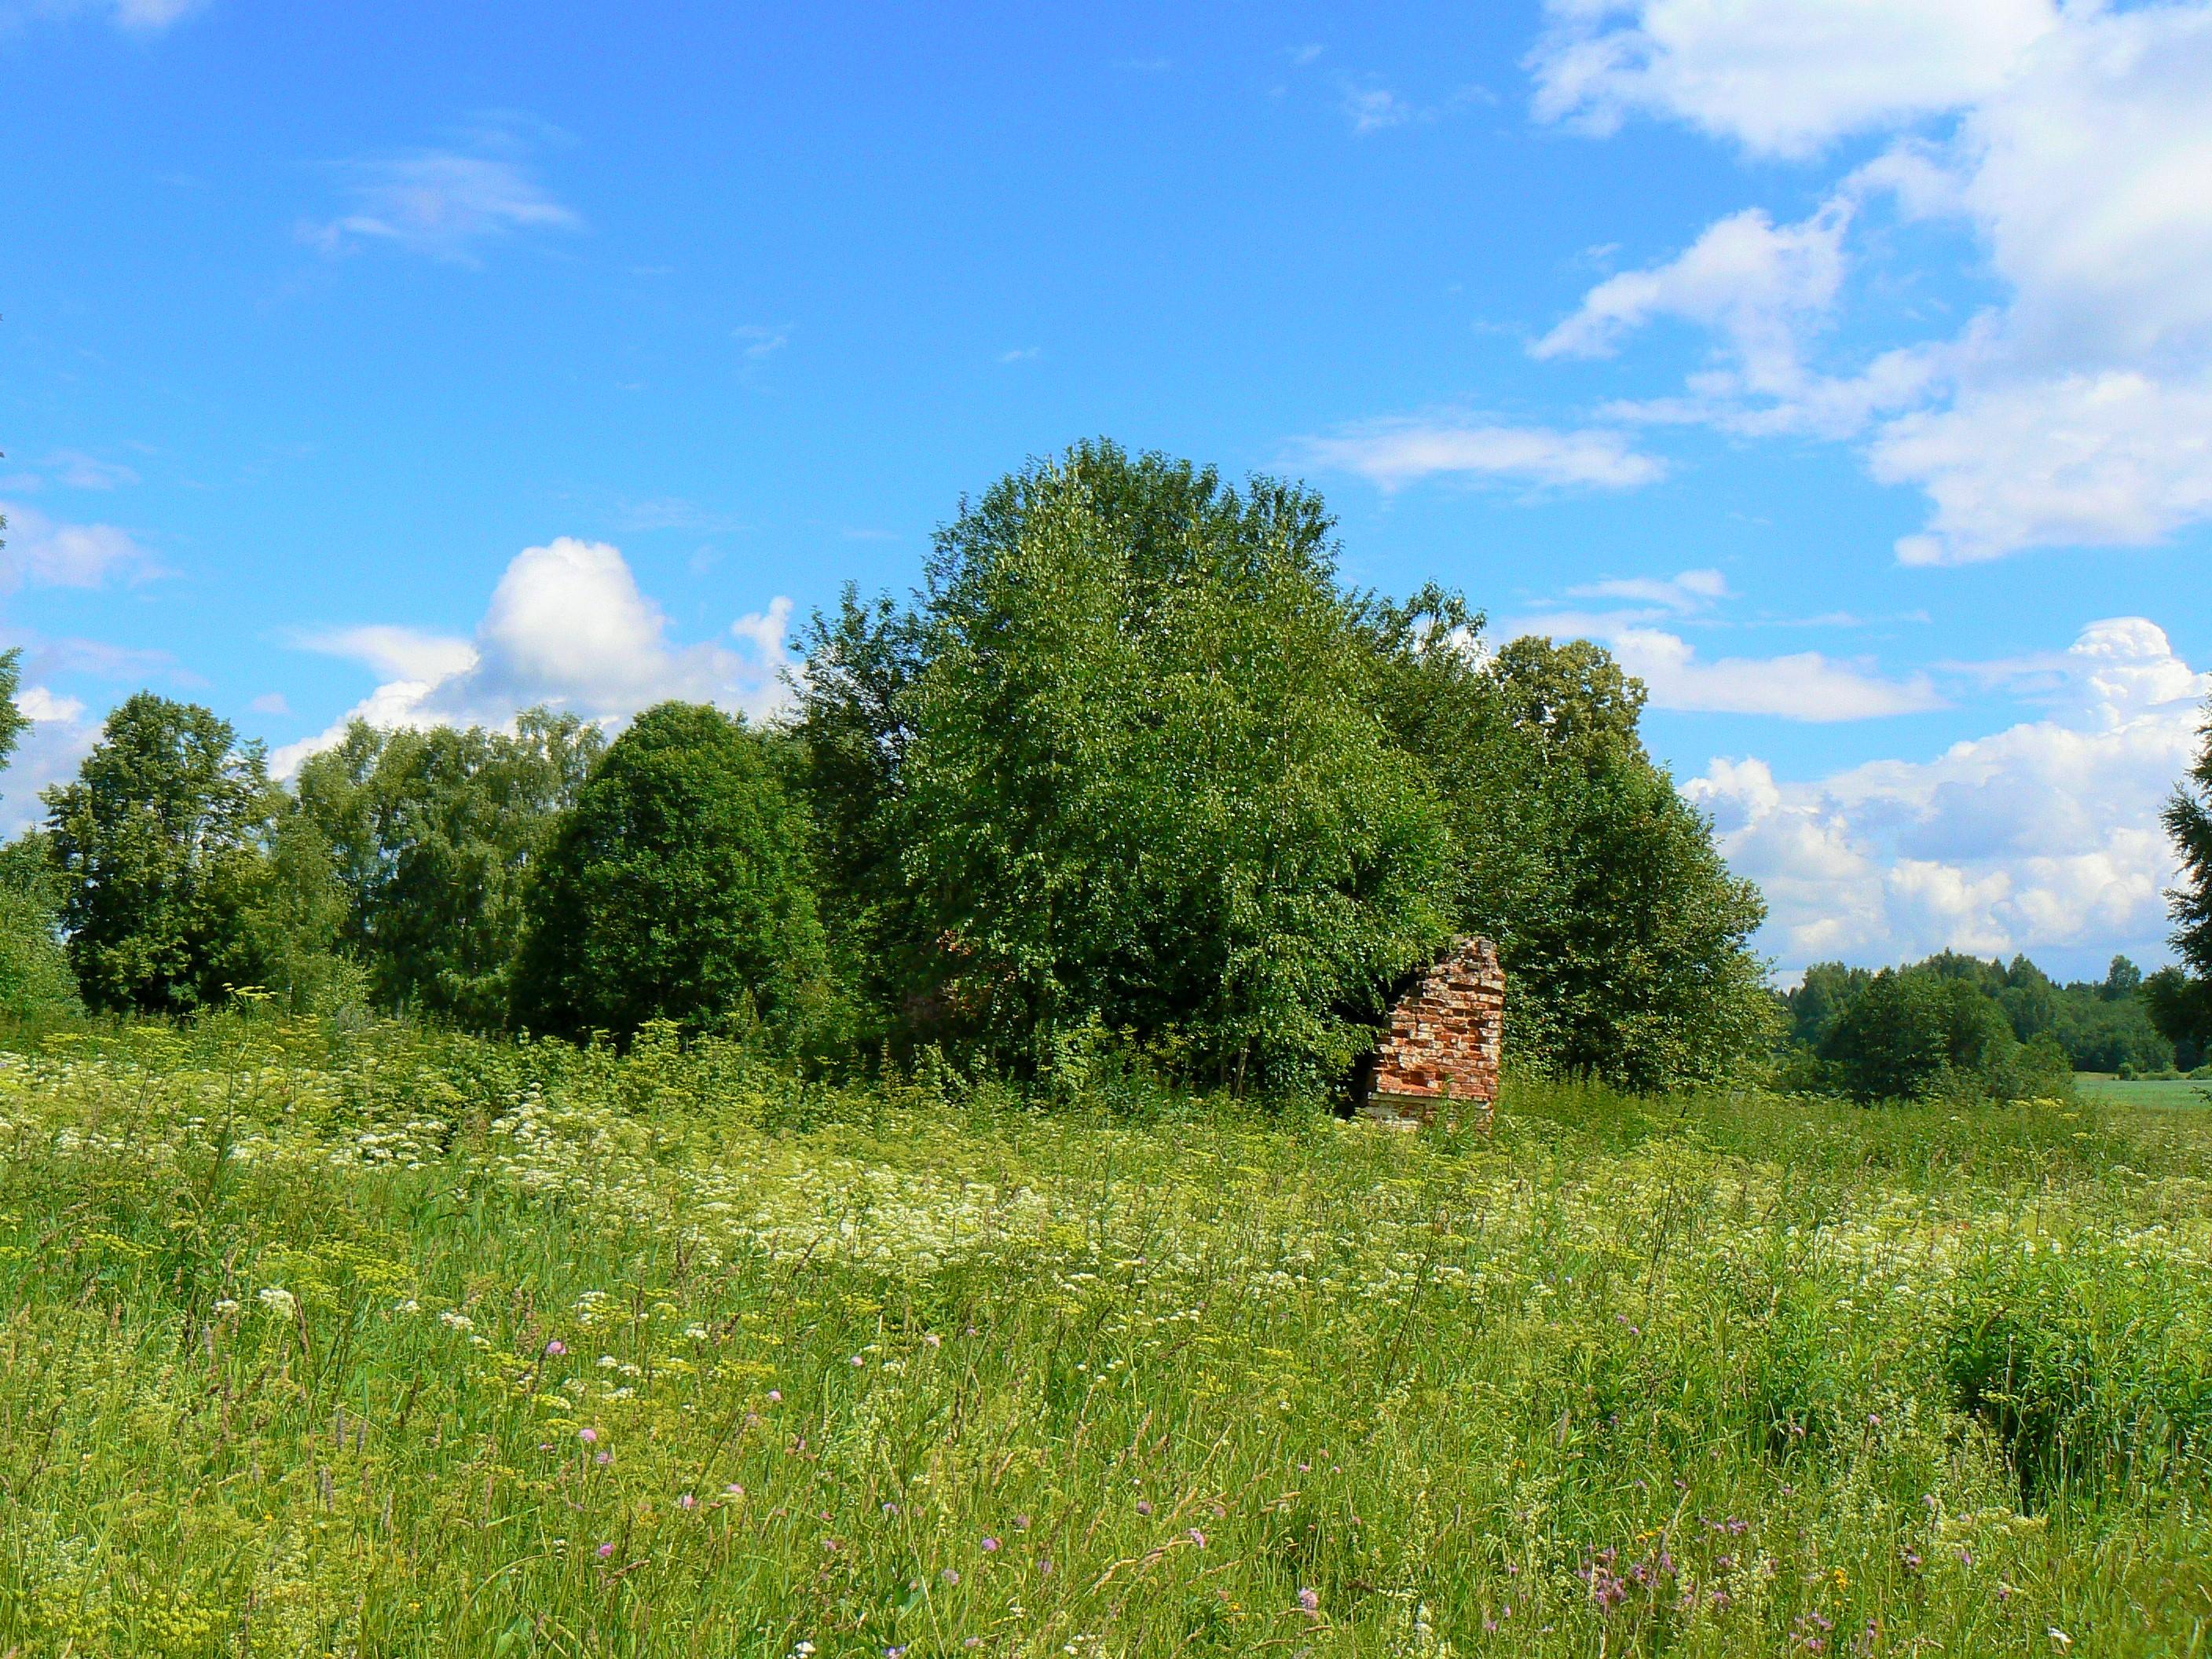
160,842
676,888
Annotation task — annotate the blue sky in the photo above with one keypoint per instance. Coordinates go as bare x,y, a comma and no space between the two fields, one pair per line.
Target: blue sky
1845,366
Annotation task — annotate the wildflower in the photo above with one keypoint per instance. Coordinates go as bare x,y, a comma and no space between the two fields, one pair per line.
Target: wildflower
225,1307
776,1396
587,1435
1309,1602
857,1361
278,1300
453,1319
603,1458
608,1362
555,1348
951,1575
733,1491
687,1502
990,1547
2060,1637
1021,1524
605,1551
1196,1537
933,1340
1144,1506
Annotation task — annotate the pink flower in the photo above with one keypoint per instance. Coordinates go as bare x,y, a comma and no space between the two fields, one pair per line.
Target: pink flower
687,1502
857,1361
1144,1506
990,1545
1310,1600
556,1347
776,1396
951,1575
605,1550
587,1435
604,1459
733,1490
1197,1537
933,1340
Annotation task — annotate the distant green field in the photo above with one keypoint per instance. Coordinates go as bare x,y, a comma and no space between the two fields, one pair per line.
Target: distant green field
2100,1086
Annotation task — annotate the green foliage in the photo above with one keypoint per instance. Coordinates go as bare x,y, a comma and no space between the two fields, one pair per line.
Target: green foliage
2182,1004
1925,1032
308,1325
676,889
1624,937
1142,781
14,722
36,984
160,845
433,834
1137,760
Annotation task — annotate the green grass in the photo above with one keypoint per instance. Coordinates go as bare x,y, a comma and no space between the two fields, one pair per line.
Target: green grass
377,1343
2159,1092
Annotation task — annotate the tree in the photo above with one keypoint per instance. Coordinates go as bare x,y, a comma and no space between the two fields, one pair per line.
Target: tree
160,842
1923,1031
433,836
1625,938
1133,778
13,721
677,888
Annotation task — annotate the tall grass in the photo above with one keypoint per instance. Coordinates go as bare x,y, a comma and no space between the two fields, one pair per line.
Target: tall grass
376,1342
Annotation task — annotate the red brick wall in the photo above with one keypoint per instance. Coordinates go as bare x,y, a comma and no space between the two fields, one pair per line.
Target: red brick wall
1443,1040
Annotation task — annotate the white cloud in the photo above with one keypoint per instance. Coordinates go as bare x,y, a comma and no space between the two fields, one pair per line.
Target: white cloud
1640,632
144,17
1375,109
1395,454
60,736
1692,590
49,554
1782,77
2041,837
445,203
1803,685
761,340
566,626
2073,143
75,470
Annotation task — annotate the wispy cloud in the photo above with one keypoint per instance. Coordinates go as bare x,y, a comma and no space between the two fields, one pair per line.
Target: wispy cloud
131,16
1395,454
1372,108
762,340
1022,355
50,553
445,203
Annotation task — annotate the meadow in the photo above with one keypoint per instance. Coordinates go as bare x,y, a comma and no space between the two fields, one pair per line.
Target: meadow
370,1342
2186,1092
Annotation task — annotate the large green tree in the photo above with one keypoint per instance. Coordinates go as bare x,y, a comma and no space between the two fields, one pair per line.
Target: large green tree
677,888
161,843
1130,776
433,835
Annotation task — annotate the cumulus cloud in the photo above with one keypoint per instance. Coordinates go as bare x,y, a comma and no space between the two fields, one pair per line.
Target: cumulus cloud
2072,144
568,627
446,203
1784,77
2042,837
49,554
1395,454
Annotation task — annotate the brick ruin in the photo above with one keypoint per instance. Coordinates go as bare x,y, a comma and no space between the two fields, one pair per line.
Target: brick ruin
1443,1043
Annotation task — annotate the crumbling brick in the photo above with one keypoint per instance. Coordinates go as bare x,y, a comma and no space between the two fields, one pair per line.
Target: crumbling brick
1443,1044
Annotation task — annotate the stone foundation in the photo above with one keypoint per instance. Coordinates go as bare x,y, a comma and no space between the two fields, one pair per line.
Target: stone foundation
1443,1044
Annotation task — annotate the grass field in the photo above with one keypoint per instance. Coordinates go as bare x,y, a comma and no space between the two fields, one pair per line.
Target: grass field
2164,1091
373,1343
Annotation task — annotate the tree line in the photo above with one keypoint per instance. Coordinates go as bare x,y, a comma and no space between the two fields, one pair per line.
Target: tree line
1131,766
